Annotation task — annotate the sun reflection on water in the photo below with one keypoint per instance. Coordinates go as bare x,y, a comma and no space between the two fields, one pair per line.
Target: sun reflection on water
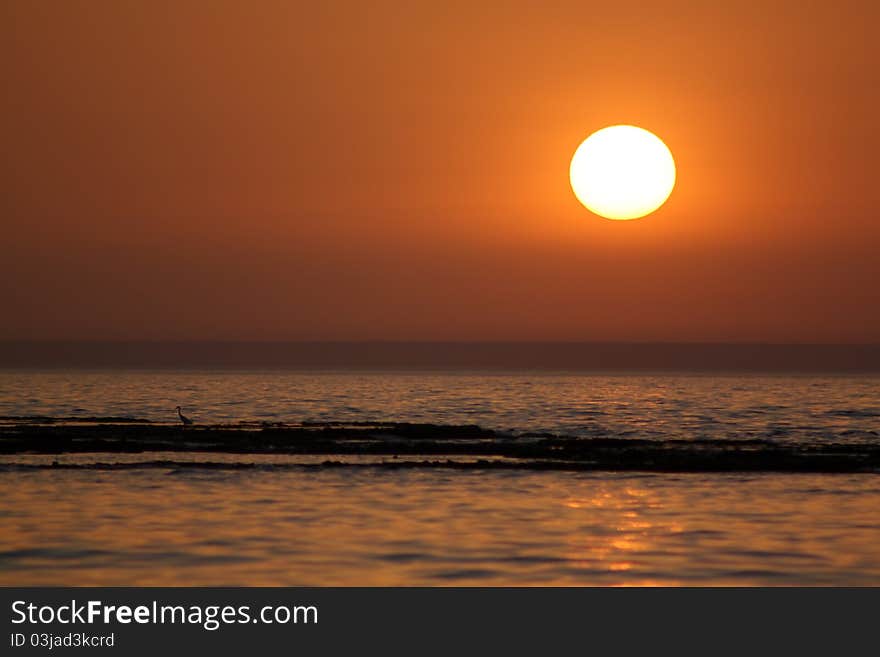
437,527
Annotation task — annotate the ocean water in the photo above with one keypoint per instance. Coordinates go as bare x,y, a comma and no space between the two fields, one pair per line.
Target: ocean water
300,525
796,408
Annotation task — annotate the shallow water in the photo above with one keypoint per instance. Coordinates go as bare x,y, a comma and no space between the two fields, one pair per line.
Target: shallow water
783,408
436,527
297,525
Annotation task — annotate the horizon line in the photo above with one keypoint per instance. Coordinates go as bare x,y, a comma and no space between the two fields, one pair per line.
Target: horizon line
393,341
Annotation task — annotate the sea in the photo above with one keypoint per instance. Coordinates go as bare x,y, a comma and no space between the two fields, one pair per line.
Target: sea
443,526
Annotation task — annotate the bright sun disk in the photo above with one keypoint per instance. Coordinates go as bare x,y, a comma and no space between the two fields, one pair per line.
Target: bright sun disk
622,172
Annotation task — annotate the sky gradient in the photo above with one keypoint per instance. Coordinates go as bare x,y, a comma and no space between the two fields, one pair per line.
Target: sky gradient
399,171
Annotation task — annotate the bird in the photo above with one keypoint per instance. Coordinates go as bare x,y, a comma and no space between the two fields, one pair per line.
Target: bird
183,418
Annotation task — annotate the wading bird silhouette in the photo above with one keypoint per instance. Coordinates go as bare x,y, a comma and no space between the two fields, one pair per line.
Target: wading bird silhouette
183,418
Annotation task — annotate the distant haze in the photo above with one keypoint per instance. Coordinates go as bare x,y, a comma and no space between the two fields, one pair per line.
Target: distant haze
441,356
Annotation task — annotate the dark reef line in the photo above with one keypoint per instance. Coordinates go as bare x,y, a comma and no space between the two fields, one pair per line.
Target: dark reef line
416,444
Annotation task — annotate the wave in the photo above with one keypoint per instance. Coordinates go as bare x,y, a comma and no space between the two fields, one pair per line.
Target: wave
412,445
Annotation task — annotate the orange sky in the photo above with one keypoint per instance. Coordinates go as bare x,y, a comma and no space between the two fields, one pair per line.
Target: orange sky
399,170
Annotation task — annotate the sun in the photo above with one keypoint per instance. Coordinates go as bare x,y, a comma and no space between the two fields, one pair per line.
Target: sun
622,172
